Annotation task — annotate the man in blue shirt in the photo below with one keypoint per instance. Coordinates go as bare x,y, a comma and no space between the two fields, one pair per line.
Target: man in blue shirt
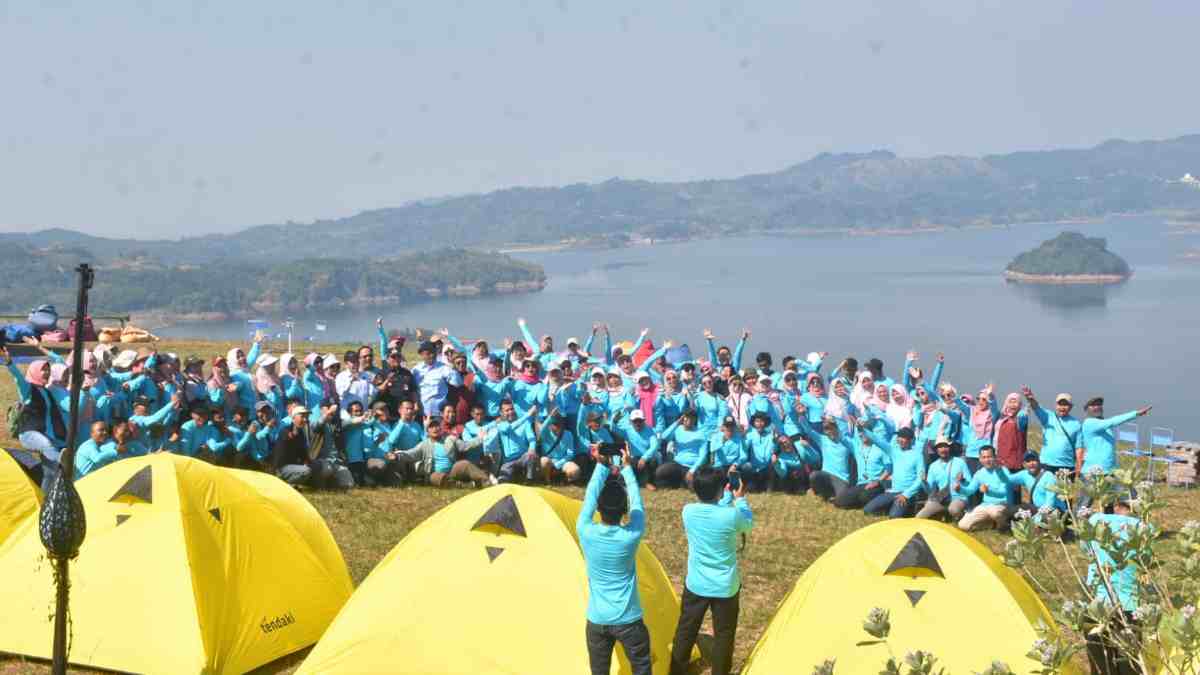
1062,434
614,611
1099,446
1104,653
713,580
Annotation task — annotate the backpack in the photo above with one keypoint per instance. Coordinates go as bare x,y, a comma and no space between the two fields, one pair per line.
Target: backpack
88,330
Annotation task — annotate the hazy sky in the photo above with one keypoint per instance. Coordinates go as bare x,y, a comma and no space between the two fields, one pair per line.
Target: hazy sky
169,118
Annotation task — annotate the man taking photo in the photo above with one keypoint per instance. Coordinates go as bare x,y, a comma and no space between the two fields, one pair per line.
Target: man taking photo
614,611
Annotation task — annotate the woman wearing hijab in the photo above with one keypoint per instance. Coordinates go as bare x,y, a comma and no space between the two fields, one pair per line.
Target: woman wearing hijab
900,408
982,414
839,408
1010,433
864,389
268,383
41,428
289,377
711,408
222,390
239,364
738,401
814,399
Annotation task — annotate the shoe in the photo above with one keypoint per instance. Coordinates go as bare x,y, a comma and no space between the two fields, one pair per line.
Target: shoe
492,480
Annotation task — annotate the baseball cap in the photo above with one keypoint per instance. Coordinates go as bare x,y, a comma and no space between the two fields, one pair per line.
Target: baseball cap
1031,457
641,375
330,360
637,415
125,359
1098,400
263,405
427,346
1064,397
298,410
573,341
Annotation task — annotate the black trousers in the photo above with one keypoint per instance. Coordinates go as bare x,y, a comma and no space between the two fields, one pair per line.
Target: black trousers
645,476
670,474
633,637
858,496
691,615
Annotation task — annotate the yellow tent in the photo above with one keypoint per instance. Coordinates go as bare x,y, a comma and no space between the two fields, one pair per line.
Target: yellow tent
947,594
493,583
186,568
19,497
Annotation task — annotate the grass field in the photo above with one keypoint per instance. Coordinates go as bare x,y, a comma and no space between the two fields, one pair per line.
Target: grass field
790,533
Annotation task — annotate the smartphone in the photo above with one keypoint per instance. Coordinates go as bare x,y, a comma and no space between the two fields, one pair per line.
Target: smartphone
735,481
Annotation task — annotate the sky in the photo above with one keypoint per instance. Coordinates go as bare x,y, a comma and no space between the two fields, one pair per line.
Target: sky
169,119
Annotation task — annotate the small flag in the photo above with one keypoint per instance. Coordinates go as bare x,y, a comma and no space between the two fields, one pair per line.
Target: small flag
321,326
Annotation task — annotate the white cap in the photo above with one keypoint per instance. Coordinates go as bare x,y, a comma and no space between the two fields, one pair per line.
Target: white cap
573,341
614,371
637,414
641,374
329,360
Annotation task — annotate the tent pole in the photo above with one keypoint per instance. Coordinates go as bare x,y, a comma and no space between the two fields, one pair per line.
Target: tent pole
61,521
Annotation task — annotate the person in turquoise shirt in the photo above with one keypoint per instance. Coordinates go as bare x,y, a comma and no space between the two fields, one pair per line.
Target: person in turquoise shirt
408,430
195,437
614,610
670,404
761,448
713,580
711,407
874,462
941,477
94,452
517,443
1099,446
254,448
833,479
722,356
788,468
1038,484
980,416
524,394
727,447
691,449
995,483
556,449
908,475
149,427
1062,434
1104,653
643,445
812,401
476,427
789,396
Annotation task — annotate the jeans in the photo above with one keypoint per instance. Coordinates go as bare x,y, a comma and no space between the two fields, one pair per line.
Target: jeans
691,615
36,441
888,502
633,637
523,464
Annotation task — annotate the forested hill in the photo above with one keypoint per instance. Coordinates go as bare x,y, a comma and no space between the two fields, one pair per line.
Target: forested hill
871,190
240,287
1071,254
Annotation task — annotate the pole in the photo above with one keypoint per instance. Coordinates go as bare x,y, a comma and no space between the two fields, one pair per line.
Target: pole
61,522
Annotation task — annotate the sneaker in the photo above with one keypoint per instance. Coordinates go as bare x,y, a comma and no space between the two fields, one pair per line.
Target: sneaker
492,480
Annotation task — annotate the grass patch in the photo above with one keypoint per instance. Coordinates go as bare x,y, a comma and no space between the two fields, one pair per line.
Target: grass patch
790,532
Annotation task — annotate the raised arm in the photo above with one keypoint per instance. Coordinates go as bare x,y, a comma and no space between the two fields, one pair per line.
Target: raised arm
608,353
252,355
534,346
22,384
591,496
383,338
637,516
739,349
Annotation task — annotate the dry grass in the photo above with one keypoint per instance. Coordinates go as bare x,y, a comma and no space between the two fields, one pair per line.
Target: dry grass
790,533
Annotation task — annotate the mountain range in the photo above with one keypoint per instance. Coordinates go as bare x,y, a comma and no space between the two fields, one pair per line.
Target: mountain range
830,191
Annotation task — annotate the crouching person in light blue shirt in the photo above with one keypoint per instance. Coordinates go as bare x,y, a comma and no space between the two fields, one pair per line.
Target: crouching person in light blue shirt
614,611
713,580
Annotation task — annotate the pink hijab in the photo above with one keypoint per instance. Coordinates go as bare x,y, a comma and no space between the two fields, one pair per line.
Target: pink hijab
34,374
265,377
981,418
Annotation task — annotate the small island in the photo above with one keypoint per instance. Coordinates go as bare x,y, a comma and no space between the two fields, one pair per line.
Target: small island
1069,258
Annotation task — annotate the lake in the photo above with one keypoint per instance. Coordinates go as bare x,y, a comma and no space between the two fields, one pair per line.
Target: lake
1136,343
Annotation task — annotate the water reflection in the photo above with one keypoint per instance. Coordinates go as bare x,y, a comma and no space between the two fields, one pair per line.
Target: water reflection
1068,299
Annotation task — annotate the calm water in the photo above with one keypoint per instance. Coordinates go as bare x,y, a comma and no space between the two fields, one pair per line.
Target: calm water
872,296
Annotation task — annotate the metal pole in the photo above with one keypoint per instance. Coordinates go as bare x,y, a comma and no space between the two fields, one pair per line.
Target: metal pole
61,522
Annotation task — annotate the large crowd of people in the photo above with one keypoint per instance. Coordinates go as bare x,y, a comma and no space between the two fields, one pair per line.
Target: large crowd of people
903,446
623,418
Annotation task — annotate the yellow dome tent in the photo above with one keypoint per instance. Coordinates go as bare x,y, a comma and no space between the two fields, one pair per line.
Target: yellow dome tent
946,592
492,583
186,568
19,497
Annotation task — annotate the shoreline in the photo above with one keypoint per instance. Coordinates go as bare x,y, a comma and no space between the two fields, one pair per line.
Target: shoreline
1065,279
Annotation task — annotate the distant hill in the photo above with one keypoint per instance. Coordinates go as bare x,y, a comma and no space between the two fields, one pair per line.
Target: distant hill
241,287
1071,256
869,190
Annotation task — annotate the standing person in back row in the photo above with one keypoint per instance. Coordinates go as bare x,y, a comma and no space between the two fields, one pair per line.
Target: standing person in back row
1062,434
614,611
713,580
